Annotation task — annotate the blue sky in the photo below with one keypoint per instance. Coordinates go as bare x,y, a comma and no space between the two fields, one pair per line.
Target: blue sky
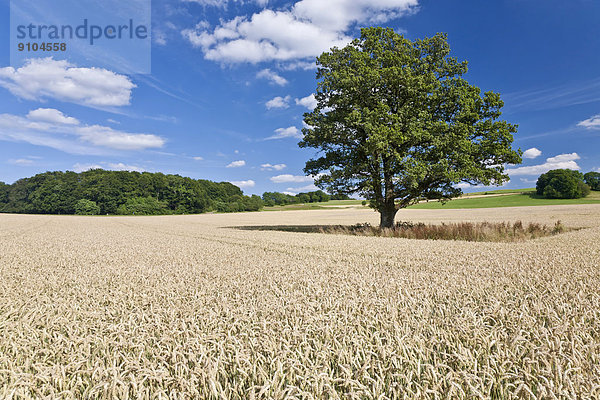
231,79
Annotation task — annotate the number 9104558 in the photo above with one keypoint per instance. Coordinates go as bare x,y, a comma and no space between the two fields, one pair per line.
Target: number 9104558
42,46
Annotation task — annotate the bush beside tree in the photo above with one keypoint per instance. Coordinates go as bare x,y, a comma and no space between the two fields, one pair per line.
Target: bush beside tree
86,207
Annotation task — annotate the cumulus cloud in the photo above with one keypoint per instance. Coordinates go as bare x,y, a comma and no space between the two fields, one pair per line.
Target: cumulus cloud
237,164
198,158
51,115
561,161
288,178
272,77
244,184
532,153
278,102
591,123
51,128
284,133
309,102
270,167
302,31
44,78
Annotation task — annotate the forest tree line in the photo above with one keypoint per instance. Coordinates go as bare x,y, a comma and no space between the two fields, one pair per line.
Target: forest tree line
103,192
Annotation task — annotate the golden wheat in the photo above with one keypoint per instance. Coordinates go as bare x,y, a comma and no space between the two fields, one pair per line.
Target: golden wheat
188,307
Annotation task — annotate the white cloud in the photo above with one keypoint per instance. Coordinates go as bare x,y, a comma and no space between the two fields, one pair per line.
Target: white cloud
563,158
284,133
198,158
273,77
532,153
303,31
124,167
464,185
270,167
244,184
159,37
591,123
107,166
225,3
307,188
43,78
23,162
288,178
107,137
309,102
86,167
51,115
237,164
524,180
561,161
51,128
278,102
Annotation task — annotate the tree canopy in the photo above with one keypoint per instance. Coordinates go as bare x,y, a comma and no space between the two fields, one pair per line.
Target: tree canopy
593,180
562,184
395,122
121,192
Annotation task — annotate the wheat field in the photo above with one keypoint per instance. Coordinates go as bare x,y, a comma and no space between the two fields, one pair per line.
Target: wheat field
189,307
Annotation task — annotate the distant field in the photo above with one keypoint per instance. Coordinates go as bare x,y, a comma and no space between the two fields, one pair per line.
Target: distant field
503,199
192,307
486,199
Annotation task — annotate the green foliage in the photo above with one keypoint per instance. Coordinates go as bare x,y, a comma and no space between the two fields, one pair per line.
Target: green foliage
86,207
592,179
143,206
562,184
4,188
395,122
59,193
281,199
340,196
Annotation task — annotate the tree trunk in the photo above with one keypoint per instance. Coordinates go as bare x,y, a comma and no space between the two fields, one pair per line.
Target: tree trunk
387,216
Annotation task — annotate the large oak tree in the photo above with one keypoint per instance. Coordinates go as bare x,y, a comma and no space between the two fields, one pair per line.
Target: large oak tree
395,122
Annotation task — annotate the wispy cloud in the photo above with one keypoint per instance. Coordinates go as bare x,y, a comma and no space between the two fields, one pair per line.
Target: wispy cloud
288,178
272,77
591,123
284,133
553,97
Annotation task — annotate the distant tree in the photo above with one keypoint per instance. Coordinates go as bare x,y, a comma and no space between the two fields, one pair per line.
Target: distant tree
593,180
86,207
562,184
59,192
396,122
